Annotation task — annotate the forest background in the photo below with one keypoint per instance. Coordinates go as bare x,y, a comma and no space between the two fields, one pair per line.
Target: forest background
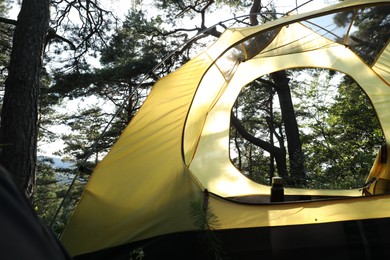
74,74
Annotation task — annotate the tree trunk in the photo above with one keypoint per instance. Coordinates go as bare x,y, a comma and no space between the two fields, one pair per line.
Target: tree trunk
294,145
19,115
279,153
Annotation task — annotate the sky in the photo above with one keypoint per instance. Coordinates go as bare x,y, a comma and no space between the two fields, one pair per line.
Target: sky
121,7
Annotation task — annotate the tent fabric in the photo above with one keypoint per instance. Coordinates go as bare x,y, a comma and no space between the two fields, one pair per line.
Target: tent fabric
383,63
217,131
177,145
23,233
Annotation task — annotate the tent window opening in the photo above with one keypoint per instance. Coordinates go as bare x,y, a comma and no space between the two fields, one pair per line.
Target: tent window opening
332,26
365,31
330,109
370,32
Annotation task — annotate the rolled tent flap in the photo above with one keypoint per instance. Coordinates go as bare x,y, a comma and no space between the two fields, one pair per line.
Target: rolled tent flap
178,143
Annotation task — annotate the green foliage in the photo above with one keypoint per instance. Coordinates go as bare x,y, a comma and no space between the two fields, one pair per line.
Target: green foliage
254,107
205,220
341,133
372,29
132,52
137,254
339,129
85,128
137,38
51,186
45,197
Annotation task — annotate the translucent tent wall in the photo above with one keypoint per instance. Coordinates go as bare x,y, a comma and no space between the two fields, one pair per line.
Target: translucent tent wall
177,146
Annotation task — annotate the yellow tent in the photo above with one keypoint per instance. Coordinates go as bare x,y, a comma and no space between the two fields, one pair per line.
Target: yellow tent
176,151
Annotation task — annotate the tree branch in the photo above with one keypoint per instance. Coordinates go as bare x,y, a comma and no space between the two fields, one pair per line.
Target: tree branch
249,137
52,35
8,21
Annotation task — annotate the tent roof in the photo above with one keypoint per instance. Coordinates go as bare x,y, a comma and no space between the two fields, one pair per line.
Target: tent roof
178,144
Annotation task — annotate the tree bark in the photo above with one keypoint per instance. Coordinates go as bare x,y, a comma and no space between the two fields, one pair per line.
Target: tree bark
255,8
19,115
278,153
294,145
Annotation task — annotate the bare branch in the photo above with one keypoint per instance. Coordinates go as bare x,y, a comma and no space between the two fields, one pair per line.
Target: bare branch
8,21
52,35
85,21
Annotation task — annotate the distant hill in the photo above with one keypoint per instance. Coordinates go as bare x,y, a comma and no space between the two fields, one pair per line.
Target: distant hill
57,161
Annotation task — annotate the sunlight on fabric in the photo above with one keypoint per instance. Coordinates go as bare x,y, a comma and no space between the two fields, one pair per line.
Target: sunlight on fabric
217,124
234,181
207,94
299,39
383,63
210,86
